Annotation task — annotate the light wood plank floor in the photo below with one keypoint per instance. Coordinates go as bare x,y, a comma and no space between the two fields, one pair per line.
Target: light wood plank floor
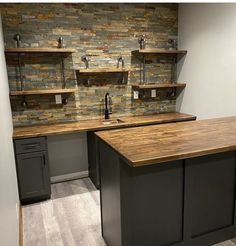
70,218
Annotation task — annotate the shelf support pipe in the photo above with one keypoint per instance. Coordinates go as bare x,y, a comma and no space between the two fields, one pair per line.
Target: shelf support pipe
61,46
20,72
144,69
17,38
122,61
63,71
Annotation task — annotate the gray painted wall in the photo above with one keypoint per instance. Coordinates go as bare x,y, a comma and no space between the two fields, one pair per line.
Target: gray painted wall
9,223
68,154
208,32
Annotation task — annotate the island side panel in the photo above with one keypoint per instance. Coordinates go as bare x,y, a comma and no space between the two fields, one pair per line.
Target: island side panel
180,203
210,198
93,158
140,206
110,195
152,204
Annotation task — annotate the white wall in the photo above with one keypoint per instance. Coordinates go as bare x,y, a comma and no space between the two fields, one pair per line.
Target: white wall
9,223
208,32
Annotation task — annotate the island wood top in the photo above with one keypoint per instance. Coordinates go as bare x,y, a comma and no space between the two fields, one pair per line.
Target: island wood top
161,143
98,124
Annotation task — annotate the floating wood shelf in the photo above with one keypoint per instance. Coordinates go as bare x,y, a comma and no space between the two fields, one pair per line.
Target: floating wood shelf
103,70
160,51
159,86
44,91
39,50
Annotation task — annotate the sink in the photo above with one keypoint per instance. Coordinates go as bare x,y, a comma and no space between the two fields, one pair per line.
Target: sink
112,122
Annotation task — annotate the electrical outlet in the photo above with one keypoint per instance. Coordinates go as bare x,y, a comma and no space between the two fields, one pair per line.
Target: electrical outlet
136,94
153,93
58,99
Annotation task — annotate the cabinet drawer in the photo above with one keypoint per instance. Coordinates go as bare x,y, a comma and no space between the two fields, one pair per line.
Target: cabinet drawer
30,145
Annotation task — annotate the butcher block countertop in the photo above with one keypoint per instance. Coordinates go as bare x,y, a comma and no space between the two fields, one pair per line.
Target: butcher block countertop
161,143
98,124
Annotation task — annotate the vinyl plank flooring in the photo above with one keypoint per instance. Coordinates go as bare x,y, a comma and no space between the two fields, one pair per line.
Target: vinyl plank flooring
64,226
34,232
70,218
52,230
226,243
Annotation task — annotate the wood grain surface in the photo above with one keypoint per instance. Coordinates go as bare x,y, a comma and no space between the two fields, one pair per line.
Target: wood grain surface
161,143
70,218
21,229
43,91
98,124
39,50
160,85
103,70
160,51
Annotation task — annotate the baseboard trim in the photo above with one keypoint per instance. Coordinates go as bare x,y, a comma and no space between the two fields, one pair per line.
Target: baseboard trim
21,243
69,176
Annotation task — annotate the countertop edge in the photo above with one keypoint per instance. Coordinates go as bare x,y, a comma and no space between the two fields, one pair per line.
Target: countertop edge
101,127
172,157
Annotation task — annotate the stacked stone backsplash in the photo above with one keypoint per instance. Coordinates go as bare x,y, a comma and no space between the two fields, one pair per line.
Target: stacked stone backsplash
101,31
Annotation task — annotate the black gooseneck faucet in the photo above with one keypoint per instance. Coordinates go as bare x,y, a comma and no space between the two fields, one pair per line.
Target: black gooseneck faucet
108,102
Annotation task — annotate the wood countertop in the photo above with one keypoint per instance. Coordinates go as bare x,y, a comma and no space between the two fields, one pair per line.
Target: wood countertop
161,143
99,124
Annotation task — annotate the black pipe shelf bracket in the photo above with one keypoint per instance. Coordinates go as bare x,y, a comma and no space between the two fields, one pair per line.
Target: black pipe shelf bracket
172,93
86,60
99,70
63,71
61,46
60,50
17,38
143,52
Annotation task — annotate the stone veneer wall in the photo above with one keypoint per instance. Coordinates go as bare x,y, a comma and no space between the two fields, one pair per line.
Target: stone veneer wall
102,31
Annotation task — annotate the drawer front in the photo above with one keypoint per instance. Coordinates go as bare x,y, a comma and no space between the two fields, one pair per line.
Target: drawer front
30,145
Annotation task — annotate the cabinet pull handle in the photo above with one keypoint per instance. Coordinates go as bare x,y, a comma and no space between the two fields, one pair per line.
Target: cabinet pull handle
44,160
32,146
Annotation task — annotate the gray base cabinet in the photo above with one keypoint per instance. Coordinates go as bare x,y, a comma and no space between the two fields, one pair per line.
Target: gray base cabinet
32,169
189,202
93,158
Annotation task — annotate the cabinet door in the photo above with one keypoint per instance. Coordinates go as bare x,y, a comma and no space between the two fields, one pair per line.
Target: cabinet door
33,176
210,195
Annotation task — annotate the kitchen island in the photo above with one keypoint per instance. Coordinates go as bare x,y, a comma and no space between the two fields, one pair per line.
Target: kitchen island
171,184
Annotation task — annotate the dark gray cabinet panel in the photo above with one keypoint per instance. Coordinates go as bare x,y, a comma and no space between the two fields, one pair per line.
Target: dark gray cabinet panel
210,186
33,174
187,202
162,200
30,145
93,158
141,206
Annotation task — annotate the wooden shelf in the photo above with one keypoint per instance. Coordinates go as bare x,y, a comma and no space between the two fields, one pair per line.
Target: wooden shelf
103,70
159,86
44,91
39,50
160,51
